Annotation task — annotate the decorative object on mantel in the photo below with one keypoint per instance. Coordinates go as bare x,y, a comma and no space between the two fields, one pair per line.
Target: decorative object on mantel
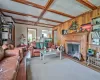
73,26
64,32
86,27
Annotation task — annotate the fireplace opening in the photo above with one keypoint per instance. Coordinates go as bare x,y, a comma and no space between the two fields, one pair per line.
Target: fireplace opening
73,49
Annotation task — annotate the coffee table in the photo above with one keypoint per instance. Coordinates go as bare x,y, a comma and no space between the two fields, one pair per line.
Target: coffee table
45,53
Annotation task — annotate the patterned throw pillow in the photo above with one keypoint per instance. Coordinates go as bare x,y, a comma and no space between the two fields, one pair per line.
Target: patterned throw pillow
1,53
5,46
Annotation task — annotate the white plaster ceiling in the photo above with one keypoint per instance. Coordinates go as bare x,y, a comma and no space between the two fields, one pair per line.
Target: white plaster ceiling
55,16
71,7
95,2
48,22
21,17
45,25
40,2
14,6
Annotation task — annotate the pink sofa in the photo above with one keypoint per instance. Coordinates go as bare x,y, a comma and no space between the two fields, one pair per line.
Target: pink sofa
9,63
36,52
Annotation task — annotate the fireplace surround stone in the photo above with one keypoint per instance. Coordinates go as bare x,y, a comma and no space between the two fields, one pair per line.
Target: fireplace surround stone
80,38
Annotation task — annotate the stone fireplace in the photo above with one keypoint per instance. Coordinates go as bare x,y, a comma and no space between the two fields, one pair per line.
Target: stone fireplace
77,42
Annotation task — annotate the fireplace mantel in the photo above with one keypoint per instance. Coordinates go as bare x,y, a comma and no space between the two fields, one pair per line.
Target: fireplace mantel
77,33
80,37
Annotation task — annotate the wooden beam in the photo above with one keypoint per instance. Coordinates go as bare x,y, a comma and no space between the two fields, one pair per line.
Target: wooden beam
23,14
51,20
87,3
42,7
45,9
32,22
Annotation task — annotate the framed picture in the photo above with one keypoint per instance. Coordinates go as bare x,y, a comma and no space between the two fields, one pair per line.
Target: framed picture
96,21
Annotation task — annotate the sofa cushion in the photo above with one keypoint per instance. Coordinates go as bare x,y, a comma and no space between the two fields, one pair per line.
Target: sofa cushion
1,53
53,46
34,44
7,75
8,68
10,46
36,50
9,53
49,44
4,46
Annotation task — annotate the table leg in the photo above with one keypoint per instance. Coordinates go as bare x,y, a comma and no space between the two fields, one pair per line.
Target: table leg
43,57
60,55
40,55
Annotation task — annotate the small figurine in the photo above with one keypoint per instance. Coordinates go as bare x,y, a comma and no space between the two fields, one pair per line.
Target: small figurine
22,39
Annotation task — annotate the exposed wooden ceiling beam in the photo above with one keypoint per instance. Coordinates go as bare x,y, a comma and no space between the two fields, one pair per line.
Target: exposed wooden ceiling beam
42,7
87,3
32,22
23,14
49,3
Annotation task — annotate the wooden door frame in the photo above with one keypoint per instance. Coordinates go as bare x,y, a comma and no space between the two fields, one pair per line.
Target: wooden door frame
53,35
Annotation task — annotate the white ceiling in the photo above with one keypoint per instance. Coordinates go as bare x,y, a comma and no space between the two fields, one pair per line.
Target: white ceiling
45,25
48,22
95,2
40,2
55,16
71,7
14,6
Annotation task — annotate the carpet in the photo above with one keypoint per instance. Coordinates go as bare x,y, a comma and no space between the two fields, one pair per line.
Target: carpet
65,69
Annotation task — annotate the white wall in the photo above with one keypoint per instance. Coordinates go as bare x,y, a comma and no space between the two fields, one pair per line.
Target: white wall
22,29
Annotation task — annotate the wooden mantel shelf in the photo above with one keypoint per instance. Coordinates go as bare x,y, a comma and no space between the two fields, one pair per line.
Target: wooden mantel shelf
77,33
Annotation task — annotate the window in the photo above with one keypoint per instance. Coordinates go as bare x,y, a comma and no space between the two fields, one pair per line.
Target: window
96,41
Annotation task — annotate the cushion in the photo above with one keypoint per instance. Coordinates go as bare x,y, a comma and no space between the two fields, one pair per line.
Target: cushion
53,46
10,46
4,46
8,70
34,44
1,53
9,53
36,50
49,44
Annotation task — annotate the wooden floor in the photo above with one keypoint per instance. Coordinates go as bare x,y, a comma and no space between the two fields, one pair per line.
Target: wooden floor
21,75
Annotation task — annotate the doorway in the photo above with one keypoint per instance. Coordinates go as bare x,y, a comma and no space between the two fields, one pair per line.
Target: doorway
32,34
55,37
